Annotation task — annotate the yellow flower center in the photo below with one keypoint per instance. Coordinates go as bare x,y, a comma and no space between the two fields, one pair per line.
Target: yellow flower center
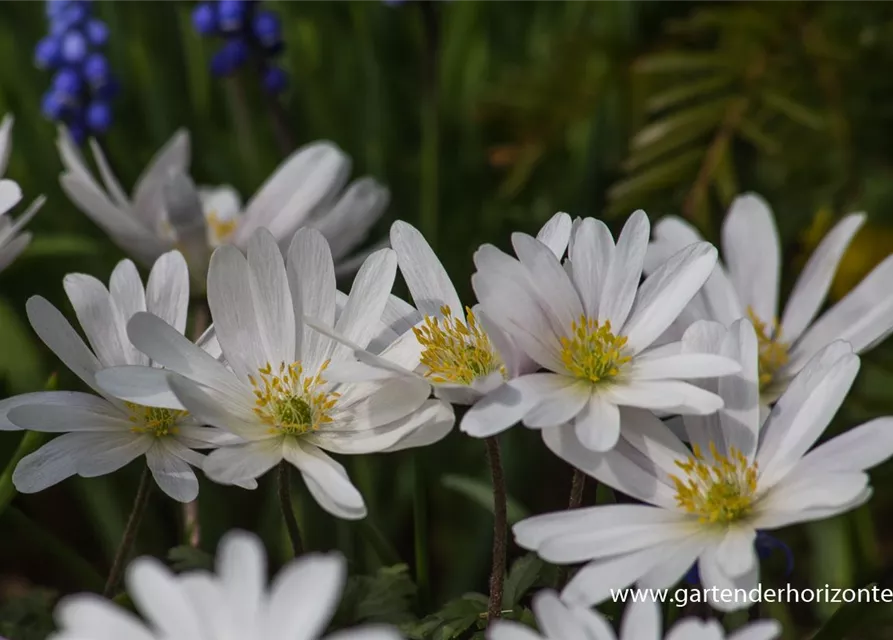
220,230
456,351
773,353
592,352
718,492
290,402
154,421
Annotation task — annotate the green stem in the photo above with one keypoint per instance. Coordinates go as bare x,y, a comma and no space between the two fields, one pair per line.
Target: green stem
288,512
379,542
130,532
430,123
28,444
500,528
420,531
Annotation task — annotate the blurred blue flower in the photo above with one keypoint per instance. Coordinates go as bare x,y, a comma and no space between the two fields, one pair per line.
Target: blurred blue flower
250,34
83,83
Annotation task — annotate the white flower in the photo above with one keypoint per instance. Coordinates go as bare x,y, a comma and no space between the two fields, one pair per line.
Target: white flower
103,434
706,504
641,621
455,348
232,604
274,395
167,211
747,286
5,142
589,324
12,242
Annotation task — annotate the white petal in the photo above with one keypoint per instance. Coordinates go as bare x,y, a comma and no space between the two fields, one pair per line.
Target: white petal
272,299
142,385
728,589
593,248
657,443
759,630
665,293
172,158
82,412
304,596
326,479
242,570
427,280
159,597
172,474
740,416
126,289
237,463
815,279
510,630
736,554
508,404
568,399
557,620
378,632
5,141
109,452
664,394
434,430
101,321
368,297
641,621
348,222
857,449
556,233
598,425
676,564
751,249
232,309
800,492
311,277
593,583
45,398
108,177
90,616
684,366
624,272
52,463
167,292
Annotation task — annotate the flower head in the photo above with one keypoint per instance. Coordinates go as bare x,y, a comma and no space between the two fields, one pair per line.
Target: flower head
12,240
590,325
83,84
747,285
708,502
104,433
233,602
641,621
274,393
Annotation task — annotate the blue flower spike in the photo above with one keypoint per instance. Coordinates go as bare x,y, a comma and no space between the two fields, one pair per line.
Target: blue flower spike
83,83
252,38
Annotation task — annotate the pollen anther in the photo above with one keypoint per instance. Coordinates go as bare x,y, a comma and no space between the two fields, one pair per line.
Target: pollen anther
592,352
720,491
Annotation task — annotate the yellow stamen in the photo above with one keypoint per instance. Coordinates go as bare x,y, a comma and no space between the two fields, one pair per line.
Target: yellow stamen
718,492
592,352
456,351
290,402
773,353
220,230
154,420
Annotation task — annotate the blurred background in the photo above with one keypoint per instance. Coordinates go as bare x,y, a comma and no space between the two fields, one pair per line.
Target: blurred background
483,118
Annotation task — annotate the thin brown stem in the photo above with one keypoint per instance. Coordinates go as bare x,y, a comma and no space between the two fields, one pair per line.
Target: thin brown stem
288,512
191,521
130,532
497,575
578,484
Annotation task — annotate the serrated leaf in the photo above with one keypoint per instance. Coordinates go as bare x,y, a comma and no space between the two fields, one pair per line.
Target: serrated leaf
186,558
453,619
680,93
523,574
384,597
481,493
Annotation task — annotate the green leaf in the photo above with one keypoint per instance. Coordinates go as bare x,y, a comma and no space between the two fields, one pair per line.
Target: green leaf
456,617
701,118
675,61
679,93
751,132
796,111
665,174
385,597
482,493
21,364
523,574
63,245
28,616
186,558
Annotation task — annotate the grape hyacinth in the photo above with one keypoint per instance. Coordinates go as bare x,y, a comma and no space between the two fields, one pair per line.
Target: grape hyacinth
251,34
83,85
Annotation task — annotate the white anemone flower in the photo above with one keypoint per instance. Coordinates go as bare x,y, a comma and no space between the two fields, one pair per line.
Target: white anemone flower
707,503
275,395
234,602
166,211
102,434
590,325
747,286
453,347
641,621
5,142
12,241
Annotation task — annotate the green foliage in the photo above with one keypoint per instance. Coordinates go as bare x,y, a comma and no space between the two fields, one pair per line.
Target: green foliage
187,558
384,597
28,616
481,493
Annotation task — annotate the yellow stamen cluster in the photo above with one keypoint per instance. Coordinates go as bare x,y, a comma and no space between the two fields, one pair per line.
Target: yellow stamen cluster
718,492
592,352
290,402
154,421
773,353
456,351
220,230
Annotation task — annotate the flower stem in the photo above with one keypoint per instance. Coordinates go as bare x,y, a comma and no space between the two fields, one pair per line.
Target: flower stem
578,483
130,531
430,122
288,512
191,521
497,576
420,530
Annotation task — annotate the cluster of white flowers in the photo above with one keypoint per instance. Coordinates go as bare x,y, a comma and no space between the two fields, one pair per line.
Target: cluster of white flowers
681,389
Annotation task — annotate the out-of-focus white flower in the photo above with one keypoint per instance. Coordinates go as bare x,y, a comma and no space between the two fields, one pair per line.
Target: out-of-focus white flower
233,603
167,211
747,286
12,241
705,503
102,433
641,621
